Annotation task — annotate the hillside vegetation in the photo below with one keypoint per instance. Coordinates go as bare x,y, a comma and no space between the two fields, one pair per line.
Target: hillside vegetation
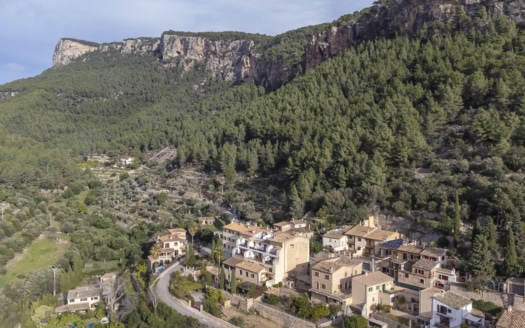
430,127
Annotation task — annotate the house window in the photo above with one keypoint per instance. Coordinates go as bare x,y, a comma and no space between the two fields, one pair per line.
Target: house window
240,272
359,239
270,269
406,275
316,274
94,298
291,245
83,299
253,276
370,289
317,285
373,299
72,300
421,281
323,286
326,277
377,287
246,273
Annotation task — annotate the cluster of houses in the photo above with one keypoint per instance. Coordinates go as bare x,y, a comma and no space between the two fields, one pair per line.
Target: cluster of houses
365,266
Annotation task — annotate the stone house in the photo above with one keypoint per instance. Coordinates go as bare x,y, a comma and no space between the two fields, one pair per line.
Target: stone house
332,280
365,239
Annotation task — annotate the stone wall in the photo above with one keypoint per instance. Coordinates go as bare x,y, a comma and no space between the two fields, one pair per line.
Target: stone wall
487,296
280,317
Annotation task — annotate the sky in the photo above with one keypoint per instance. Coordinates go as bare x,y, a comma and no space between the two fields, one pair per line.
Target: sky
30,29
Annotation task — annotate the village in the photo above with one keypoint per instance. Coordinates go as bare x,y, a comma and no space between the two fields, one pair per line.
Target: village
362,271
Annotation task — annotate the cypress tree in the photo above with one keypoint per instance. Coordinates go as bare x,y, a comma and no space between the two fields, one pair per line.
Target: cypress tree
511,257
491,234
222,278
457,221
476,230
233,282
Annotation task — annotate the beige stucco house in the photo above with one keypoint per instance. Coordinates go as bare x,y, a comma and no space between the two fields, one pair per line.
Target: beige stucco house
279,254
332,280
370,289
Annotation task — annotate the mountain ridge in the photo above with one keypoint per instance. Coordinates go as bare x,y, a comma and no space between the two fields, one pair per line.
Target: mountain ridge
243,57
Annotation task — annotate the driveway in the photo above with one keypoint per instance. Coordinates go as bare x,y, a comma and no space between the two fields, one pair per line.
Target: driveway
162,291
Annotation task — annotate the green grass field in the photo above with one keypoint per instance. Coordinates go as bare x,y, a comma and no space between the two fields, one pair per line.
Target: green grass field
40,254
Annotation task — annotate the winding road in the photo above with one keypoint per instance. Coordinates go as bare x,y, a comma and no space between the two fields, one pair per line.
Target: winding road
162,292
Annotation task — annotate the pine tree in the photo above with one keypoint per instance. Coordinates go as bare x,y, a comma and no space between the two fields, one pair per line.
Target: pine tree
480,263
457,221
511,257
233,282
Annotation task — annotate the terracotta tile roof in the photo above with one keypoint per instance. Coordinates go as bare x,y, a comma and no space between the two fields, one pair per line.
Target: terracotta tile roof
511,319
477,313
381,234
410,249
334,264
453,300
175,230
235,227
232,261
72,307
425,264
171,238
282,224
83,292
373,278
250,266
333,234
433,251
359,231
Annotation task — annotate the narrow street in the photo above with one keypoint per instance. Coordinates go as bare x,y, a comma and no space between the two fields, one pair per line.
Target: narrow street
162,291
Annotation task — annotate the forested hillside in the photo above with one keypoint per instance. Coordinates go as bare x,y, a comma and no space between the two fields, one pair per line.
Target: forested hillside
427,125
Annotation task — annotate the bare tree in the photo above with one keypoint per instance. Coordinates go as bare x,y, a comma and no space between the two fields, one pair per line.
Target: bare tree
113,292
128,304
153,299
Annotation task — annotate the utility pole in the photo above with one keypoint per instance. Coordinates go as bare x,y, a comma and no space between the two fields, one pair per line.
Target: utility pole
55,269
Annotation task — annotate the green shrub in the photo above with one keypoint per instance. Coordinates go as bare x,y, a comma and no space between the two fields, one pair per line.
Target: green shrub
489,307
273,299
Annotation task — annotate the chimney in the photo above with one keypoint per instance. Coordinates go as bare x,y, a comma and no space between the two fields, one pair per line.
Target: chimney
366,273
509,308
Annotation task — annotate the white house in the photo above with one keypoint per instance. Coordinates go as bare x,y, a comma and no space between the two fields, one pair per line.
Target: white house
81,299
451,310
336,239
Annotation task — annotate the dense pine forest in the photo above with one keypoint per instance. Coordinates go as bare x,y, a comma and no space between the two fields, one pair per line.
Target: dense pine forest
429,126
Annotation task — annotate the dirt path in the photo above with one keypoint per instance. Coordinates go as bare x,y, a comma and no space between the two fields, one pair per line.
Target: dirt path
19,256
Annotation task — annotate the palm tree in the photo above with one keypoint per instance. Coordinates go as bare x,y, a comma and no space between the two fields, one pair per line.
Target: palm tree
192,230
155,250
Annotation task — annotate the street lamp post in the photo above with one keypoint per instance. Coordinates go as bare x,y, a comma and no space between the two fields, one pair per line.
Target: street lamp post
55,269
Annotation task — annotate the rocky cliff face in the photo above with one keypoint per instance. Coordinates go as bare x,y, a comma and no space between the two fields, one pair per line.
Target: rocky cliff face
239,60
229,60
403,18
